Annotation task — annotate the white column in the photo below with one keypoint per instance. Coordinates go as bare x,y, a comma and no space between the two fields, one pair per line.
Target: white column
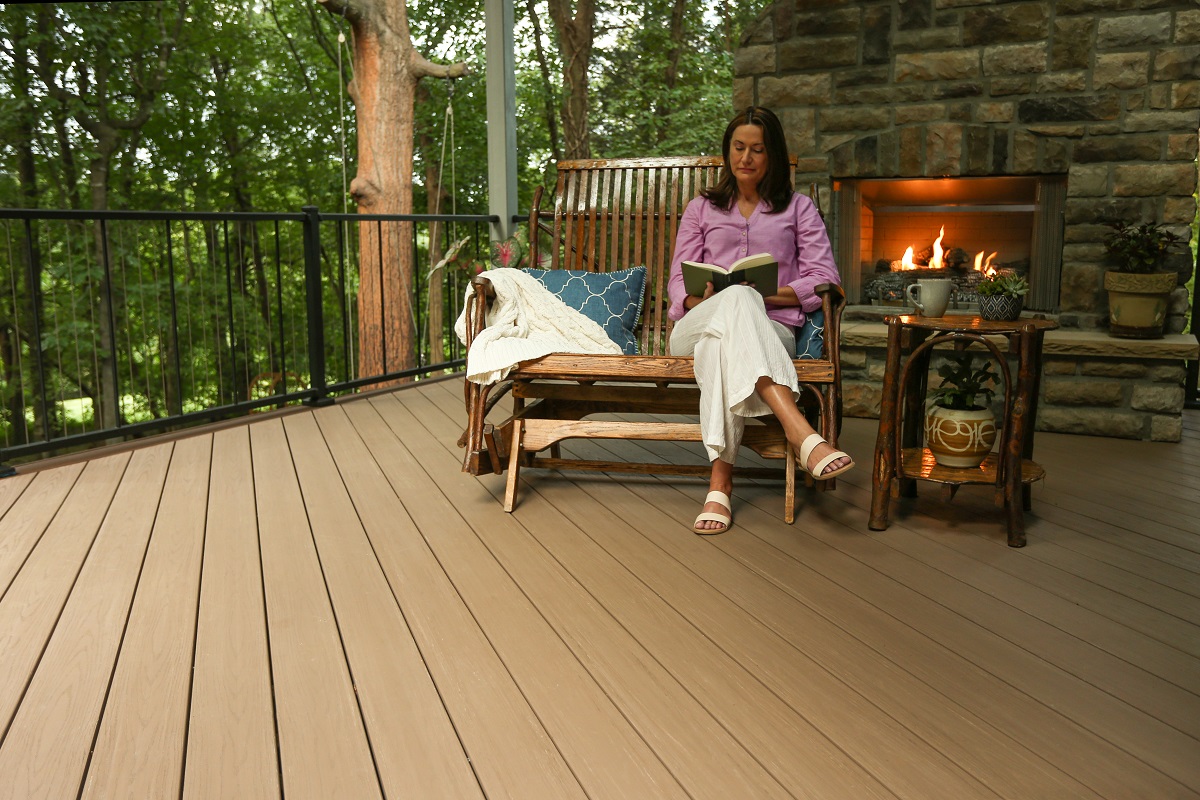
501,115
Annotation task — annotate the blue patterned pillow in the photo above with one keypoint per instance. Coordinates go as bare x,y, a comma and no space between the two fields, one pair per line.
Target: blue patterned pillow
612,299
810,339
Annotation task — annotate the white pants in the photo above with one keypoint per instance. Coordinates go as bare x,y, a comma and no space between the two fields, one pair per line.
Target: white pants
735,344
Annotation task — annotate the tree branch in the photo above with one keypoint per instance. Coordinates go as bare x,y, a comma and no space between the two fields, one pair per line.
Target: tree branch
424,68
349,9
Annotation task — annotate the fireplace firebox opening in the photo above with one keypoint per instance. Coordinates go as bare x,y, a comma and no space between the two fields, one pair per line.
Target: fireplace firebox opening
890,232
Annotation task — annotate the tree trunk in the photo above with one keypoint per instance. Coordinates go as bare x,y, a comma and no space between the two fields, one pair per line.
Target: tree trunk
575,33
107,400
98,113
551,103
386,71
30,198
671,76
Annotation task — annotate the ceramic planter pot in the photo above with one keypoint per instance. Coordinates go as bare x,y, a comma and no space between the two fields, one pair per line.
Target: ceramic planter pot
1137,303
1000,306
959,438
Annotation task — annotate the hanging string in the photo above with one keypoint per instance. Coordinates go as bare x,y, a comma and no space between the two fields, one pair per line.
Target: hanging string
447,130
447,133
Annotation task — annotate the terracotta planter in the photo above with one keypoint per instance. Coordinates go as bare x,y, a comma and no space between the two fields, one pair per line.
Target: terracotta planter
1137,303
959,438
1000,306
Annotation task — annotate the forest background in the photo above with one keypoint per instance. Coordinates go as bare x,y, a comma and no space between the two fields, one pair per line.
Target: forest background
243,107
247,110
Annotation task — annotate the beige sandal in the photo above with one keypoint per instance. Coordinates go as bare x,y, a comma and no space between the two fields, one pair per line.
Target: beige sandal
810,444
711,516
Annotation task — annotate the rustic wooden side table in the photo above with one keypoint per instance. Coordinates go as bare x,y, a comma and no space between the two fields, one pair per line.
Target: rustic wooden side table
900,457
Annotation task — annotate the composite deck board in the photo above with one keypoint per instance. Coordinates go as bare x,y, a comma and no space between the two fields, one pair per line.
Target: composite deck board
231,745
901,695
570,701
11,489
1111,656
414,640
46,750
323,746
711,628
140,745
1124,780
28,518
412,741
30,609
664,646
509,748
946,607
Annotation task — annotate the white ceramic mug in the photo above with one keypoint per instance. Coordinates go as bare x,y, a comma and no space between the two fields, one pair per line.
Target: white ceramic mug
934,296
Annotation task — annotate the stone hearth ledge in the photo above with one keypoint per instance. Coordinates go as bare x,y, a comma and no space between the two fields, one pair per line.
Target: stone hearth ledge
1097,344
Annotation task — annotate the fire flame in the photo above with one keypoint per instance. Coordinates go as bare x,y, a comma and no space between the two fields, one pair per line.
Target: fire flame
984,266
936,261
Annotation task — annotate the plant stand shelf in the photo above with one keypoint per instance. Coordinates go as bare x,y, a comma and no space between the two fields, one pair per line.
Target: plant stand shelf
900,458
917,463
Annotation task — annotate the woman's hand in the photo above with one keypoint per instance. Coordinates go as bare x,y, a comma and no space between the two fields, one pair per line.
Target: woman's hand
709,291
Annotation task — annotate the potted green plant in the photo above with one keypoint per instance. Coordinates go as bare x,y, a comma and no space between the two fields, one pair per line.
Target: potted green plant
1139,289
1002,294
960,428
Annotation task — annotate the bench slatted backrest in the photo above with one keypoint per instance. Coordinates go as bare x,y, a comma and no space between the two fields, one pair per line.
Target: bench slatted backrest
611,214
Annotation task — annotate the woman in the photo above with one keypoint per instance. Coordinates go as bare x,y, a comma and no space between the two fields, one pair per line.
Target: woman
744,343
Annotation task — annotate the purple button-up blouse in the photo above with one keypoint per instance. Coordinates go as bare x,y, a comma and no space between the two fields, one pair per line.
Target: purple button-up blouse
796,237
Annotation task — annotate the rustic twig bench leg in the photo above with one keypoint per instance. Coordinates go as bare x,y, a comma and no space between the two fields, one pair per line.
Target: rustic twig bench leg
514,464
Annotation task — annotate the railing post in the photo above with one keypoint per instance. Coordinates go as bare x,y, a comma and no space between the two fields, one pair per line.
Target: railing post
316,316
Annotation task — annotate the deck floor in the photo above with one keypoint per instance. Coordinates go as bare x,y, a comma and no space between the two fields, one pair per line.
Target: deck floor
322,605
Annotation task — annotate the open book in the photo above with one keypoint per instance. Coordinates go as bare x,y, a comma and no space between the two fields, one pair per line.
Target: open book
761,269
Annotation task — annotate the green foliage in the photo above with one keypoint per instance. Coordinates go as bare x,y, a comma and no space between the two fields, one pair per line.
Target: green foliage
1139,248
637,113
252,114
963,383
1003,282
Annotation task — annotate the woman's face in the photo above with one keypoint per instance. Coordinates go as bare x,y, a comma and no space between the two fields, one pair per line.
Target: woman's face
748,157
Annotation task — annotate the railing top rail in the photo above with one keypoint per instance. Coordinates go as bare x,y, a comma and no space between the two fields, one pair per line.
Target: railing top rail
244,216
410,217
216,216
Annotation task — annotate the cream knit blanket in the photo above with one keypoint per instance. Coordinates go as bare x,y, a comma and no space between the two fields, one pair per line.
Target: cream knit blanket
525,322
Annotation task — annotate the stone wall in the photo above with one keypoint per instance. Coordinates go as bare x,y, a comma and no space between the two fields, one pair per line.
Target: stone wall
1091,383
1105,92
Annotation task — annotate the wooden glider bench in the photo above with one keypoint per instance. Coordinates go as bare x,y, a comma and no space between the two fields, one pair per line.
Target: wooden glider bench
610,215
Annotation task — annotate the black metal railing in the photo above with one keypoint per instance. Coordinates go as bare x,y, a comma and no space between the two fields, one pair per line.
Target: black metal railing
120,323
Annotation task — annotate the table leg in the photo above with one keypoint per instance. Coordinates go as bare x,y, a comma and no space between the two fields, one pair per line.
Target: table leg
912,433
885,444
1037,337
1016,440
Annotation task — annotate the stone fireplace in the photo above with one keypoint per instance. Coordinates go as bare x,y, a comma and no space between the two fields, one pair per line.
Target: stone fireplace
899,230
1100,96
1023,128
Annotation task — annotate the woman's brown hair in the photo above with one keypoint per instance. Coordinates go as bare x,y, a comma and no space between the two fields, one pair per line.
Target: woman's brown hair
776,186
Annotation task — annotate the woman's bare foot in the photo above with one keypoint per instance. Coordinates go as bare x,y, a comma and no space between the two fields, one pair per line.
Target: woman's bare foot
720,481
796,427
713,525
821,451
